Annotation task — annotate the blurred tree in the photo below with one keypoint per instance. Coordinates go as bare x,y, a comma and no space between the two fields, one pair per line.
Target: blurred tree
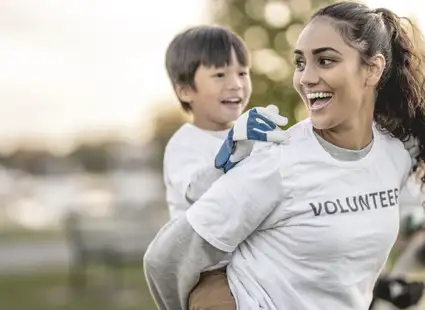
167,119
29,161
92,158
270,28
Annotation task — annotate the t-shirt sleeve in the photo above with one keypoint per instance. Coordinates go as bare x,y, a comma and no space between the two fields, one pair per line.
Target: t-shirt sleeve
180,163
188,172
239,201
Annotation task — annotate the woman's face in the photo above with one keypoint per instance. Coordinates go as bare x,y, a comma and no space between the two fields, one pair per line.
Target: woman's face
330,77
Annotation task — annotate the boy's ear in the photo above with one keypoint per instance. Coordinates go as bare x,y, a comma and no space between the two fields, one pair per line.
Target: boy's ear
184,93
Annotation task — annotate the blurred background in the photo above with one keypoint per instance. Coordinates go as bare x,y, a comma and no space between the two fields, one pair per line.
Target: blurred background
85,112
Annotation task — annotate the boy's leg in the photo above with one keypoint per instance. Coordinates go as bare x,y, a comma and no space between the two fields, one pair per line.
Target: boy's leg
212,292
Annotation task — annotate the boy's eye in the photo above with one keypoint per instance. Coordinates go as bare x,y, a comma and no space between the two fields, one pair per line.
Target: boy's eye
243,73
219,74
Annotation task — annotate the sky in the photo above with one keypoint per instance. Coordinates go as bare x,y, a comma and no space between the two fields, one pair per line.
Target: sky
69,66
73,66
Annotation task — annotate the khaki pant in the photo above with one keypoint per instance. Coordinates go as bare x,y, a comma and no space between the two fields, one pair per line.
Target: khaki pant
212,292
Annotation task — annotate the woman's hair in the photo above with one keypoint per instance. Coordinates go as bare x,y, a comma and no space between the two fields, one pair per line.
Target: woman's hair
400,101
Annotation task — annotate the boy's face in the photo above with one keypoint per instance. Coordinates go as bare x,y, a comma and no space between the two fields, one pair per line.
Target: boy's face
221,95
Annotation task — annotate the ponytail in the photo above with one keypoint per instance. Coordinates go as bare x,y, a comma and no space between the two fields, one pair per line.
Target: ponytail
400,104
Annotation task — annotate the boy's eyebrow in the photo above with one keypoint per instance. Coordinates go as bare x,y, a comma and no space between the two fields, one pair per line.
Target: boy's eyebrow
319,50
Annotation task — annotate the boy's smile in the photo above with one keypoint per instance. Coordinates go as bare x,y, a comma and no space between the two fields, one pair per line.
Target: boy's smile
221,94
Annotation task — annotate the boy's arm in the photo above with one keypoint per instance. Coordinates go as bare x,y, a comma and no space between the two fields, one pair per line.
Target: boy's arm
174,262
201,181
257,124
186,170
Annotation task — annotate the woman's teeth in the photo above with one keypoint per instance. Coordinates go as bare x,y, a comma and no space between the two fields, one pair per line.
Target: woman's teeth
319,100
319,95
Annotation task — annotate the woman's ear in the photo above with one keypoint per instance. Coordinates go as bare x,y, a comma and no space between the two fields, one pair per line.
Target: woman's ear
376,66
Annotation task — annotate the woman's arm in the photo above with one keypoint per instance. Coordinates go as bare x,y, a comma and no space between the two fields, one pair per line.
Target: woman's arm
174,262
225,215
240,200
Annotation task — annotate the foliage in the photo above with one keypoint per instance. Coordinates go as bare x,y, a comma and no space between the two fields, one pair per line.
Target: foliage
270,29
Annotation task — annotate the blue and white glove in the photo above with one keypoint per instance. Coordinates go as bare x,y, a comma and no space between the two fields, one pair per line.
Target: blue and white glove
257,124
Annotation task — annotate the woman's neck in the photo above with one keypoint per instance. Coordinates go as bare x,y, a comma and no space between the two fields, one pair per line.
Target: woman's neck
353,136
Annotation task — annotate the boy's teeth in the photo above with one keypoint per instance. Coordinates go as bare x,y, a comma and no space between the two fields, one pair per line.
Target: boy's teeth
319,95
232,100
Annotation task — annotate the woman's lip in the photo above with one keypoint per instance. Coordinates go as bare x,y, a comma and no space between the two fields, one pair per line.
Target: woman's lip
319,106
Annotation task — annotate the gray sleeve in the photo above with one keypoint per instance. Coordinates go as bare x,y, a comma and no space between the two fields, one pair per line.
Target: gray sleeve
201,182
174,261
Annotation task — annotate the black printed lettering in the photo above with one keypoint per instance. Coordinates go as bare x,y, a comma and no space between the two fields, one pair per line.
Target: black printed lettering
364,202
357,203
373,195
391,197
341,207
383,198
316,211
396,194
349,205
330,207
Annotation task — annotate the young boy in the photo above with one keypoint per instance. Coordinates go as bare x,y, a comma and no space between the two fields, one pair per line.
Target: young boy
209,69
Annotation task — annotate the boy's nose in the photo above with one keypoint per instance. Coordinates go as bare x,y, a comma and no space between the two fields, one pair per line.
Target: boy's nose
235,82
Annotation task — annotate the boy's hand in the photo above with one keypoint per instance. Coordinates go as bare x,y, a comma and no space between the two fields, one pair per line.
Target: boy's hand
257,124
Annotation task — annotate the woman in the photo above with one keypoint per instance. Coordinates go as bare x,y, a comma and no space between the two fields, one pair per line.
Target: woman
310,223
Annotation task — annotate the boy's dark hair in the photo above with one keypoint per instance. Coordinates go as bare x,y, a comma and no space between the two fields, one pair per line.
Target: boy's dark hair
209,46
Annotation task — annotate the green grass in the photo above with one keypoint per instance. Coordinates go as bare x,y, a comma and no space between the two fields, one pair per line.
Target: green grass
24,235
49,290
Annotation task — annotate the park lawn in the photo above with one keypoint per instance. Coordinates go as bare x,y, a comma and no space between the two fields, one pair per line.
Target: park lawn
49,290
26,235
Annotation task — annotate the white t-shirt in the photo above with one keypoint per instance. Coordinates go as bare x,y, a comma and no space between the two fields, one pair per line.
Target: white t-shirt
307,232
189,151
